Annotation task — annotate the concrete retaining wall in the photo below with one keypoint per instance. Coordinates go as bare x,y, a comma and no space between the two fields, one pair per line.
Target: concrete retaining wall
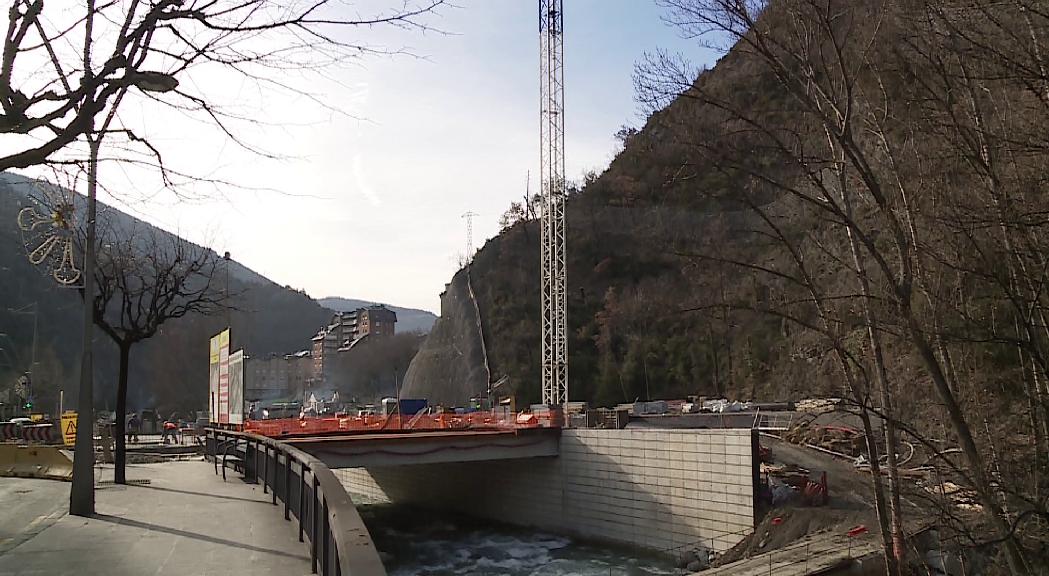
657,489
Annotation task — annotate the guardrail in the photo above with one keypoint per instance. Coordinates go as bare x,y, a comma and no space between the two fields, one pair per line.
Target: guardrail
338,539
36,433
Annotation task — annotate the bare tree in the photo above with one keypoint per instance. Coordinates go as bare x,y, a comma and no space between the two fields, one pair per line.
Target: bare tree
145,279
61,68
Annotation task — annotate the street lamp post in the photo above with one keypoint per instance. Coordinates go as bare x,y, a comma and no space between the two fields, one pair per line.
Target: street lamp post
82,492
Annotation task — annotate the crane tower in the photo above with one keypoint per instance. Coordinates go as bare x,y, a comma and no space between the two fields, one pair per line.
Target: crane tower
552,173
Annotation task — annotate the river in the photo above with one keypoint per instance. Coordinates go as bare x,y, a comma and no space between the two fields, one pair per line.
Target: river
421,543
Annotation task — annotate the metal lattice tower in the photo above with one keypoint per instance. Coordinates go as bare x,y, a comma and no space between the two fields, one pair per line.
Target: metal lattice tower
469,234
552,175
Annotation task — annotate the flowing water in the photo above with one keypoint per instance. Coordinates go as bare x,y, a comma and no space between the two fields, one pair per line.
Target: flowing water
419,543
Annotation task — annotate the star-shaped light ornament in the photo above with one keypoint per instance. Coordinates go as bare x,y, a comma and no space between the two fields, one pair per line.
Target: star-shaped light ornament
48,230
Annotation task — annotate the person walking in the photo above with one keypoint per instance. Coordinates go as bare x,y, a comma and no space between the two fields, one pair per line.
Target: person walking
133,427
127,425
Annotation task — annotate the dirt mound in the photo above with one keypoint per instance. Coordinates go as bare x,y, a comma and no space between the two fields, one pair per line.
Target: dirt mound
785,525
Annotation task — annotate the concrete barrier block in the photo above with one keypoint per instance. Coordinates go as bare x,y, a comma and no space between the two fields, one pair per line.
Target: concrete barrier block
48,462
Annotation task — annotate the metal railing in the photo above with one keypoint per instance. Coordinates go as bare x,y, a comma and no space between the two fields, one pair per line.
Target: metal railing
772,421
338,539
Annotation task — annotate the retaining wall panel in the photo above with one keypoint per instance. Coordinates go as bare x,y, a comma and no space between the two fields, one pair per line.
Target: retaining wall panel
656,489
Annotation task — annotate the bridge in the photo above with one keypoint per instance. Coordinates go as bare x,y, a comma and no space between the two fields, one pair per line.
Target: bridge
392,449
656,489
366,441
293,460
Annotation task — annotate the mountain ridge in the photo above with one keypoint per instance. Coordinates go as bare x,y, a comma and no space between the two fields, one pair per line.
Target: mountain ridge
168,371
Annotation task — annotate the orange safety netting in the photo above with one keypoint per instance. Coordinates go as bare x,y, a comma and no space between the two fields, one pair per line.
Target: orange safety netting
397,423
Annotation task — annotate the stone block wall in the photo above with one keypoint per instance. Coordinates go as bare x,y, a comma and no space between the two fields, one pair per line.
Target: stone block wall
657,489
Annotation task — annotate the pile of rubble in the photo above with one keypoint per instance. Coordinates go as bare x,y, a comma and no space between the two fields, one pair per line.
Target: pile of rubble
841,440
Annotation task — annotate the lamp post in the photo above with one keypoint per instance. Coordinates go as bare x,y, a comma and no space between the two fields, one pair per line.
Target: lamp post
82,491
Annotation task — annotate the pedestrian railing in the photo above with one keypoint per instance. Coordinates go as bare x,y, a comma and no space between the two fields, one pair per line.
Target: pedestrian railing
339,542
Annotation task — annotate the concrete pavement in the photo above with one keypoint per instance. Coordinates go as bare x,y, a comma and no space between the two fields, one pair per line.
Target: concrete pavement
27,507
186,520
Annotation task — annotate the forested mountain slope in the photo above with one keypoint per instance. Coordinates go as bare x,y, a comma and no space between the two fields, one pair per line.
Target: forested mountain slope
851,202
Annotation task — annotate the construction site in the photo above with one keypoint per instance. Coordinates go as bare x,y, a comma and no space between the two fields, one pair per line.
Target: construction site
816,510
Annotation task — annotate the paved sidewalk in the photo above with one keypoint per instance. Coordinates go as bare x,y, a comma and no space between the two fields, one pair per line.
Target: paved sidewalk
28,507
185,521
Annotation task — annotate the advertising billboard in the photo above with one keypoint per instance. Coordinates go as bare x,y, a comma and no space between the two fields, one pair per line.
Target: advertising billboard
218,378
224,376
236,387
213,381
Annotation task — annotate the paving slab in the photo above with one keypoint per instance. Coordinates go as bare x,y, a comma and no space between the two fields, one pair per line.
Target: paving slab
27,507
186,520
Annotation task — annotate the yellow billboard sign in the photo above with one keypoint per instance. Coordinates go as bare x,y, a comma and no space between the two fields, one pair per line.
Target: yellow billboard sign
214,350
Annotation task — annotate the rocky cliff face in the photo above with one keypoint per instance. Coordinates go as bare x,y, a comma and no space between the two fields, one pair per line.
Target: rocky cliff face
450,367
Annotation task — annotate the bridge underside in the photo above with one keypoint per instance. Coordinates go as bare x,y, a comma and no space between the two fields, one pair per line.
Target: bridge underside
394,449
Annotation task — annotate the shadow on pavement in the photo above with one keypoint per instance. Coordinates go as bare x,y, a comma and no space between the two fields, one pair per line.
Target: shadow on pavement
176,532
203,494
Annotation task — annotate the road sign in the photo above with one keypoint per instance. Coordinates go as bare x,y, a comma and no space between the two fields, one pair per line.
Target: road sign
69,427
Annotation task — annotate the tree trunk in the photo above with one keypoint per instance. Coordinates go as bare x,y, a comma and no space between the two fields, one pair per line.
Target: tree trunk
893,556
888,536
888,415
120,429
1014,553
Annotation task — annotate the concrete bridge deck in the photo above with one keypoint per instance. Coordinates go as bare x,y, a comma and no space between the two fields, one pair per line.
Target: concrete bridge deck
433,447
185,521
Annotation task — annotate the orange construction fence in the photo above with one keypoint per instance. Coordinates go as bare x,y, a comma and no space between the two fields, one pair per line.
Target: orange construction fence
397,423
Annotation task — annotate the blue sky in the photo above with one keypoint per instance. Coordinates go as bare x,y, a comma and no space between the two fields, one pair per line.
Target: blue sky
369,206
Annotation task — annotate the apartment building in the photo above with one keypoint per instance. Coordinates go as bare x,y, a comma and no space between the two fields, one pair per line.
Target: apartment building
343,330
